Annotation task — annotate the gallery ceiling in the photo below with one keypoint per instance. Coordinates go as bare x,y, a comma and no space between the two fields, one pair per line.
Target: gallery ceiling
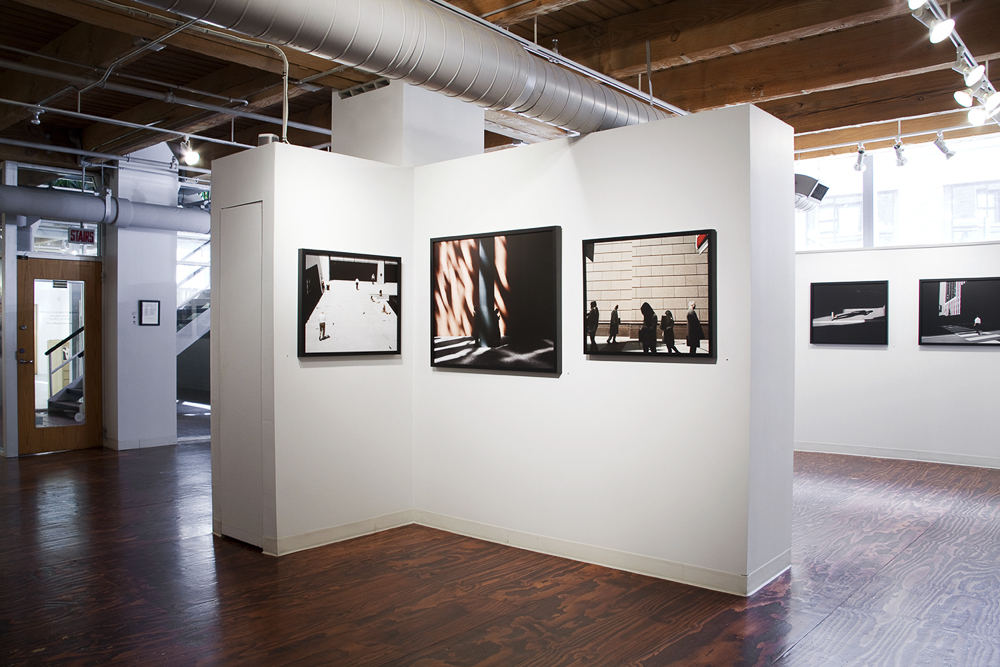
824,67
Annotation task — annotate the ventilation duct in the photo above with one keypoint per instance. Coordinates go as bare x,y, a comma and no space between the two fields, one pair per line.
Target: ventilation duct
78,207
425,45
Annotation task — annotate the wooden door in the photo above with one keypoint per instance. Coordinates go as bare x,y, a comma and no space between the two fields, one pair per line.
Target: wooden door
59,385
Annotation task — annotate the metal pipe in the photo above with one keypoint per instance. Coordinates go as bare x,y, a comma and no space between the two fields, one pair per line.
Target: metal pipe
76,207
163,97
121,123
428,45
92,154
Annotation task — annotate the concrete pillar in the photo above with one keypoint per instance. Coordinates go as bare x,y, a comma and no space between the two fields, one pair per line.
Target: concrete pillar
140,365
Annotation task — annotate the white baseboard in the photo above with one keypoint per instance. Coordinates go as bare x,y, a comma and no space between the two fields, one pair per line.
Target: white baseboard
768,572
903,454
725,582
286,545
122,445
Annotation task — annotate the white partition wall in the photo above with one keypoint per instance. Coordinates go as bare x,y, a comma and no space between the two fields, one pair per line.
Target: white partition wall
902,400
679,470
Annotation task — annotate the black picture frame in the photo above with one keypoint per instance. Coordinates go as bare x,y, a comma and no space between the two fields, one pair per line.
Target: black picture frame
651,280
349,304
849,313
949,309
149,313
496,301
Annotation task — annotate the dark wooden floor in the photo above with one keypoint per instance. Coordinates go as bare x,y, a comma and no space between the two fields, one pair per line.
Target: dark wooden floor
108,558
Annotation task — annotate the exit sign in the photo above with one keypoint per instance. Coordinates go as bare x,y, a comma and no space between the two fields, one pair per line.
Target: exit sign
81,236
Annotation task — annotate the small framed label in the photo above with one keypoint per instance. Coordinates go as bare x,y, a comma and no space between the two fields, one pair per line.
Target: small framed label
149,313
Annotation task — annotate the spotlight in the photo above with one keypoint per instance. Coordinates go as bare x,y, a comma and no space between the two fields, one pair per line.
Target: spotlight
940,29
900,160
991,102
860,164
965,97
189,155
973,73
916,4
977,115
939,142
36,118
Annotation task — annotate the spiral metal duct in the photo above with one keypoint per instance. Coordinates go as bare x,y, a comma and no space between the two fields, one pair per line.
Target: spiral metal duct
428,46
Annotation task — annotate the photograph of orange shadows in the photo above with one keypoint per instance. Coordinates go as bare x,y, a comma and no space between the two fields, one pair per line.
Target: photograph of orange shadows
495,301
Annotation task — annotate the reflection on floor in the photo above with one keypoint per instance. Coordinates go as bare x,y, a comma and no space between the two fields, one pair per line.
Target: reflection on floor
109,558
46,419
194,421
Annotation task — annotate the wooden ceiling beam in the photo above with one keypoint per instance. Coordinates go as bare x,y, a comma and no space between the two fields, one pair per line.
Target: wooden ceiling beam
820,144
904,97
688,31
136,22
88,45
868,54
522,128
510,12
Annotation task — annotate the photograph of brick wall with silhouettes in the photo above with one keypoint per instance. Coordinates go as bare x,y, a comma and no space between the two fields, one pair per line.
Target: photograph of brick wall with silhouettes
650,297
495,301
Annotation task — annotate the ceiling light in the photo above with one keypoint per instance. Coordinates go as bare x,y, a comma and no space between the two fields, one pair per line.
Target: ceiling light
860,164
36,118
188,154
977,115
991,102
965,97
940,29
916,4
966,66
939,142
900,160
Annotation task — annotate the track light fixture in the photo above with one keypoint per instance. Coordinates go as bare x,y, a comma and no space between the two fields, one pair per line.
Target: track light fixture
972,71
977,115
36,118
860,164
940,28
900,160
992,102
190,156
939,142
916,4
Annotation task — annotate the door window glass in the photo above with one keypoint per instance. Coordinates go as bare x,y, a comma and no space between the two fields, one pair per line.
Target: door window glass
59,347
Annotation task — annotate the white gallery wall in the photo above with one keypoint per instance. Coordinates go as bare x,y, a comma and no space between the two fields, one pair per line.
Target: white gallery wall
679,470
643,466
932,403
333,436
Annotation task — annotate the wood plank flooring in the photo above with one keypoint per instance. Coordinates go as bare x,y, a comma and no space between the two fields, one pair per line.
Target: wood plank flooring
108,558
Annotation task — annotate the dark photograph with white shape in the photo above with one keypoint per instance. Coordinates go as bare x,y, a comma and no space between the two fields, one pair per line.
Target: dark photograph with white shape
348,303
850,313
495,301
960,312
650,297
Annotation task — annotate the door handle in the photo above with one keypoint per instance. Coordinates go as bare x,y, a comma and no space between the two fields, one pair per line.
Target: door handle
25,361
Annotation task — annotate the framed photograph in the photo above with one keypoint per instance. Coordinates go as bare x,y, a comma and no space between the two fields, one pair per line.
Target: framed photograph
149,313
855,313
348,303
960,312
650,297
495,301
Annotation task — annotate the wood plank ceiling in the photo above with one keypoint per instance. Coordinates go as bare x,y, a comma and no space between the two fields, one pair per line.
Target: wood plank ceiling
823,66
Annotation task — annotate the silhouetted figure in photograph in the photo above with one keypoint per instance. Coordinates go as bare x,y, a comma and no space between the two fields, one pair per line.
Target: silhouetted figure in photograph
695,333
593,317
615,322
322,325
977,325
667,324
647,334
